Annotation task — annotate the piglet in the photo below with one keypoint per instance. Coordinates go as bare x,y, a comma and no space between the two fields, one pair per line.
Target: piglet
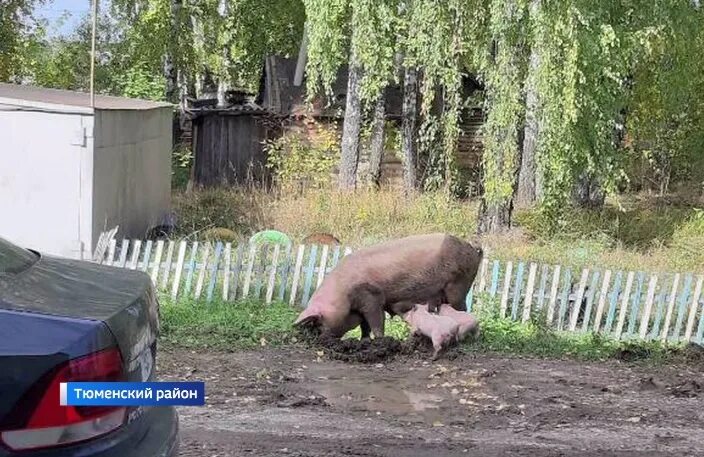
467,323
441,330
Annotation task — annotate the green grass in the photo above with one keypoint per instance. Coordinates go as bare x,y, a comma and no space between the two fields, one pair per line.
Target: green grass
225,325
248,324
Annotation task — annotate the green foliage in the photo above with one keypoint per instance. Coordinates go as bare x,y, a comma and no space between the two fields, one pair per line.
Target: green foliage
139,82
225,325
504,101
181,162
327,28
442,53
666,118
17,26
374,25
304,162
64,62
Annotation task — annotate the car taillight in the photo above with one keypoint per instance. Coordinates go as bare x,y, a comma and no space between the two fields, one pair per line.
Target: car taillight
51,424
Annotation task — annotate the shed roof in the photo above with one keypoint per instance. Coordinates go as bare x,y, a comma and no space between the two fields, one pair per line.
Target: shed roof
32,95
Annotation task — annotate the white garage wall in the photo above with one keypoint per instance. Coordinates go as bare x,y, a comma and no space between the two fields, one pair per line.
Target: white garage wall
132,170
45,180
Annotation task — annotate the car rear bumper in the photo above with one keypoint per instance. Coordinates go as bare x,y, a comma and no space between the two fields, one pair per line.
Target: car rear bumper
161,439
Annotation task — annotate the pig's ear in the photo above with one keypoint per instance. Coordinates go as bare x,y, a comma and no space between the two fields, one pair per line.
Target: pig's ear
308,317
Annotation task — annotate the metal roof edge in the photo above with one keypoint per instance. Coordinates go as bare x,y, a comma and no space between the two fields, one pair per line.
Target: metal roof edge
44,106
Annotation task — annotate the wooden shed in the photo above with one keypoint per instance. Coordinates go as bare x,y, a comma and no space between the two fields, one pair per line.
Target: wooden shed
228,144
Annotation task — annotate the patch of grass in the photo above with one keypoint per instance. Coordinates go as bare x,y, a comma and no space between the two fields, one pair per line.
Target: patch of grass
536,338
248,324
395,327
225,325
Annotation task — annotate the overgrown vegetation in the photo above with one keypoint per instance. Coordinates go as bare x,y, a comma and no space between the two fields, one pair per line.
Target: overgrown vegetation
300,161
631,233
248,324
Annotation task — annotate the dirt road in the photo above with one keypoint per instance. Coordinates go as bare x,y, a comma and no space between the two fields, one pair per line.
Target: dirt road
293,402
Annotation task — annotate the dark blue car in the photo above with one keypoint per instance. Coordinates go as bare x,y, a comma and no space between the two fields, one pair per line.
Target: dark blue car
64,320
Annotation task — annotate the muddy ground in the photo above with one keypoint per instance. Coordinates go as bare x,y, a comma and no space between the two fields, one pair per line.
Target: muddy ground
302,402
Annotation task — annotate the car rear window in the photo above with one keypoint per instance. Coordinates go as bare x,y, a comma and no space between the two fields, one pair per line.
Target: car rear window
14,259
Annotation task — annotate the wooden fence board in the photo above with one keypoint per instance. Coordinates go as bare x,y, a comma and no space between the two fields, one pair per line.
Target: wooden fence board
191,269
335,257
137,245
111,252
529,292
670,307
613,302
482,275
147,255
603,295
297,274
157,261
469,299
214,270
239,263
261,271
494,279
624,305
227,271
250,269
167,265
507,286
694,306
659,312
272,274
553,294
176,284
310,271
564,303
577,306
123,253
635,304
323,265
649,298
591,295
285,268
700,327
684,297
201,272
518,285
543,284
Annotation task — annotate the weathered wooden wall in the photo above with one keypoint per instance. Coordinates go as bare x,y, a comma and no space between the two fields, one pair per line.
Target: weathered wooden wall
469,147
228,149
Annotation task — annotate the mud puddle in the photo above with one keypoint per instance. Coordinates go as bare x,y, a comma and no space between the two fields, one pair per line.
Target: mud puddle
302,402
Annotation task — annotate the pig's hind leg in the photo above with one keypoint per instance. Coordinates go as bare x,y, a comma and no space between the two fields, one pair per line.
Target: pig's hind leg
369,302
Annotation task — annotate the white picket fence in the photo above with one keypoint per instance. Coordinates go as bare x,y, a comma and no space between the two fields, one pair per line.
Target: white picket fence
618,304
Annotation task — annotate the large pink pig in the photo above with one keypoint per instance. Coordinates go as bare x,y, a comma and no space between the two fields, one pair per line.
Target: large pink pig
391,277
441,330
